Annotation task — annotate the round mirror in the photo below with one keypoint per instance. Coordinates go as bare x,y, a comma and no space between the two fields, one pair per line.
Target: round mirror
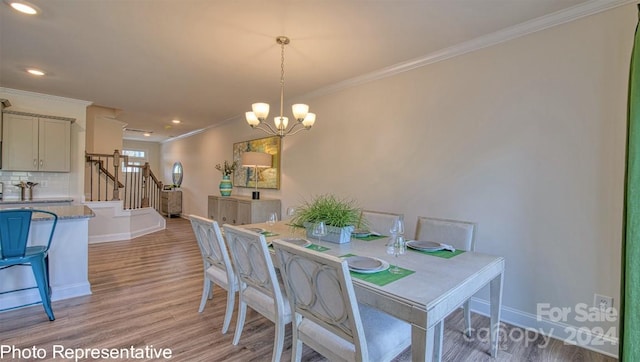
177,174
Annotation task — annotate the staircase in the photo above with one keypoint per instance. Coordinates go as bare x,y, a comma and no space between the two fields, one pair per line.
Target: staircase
125,198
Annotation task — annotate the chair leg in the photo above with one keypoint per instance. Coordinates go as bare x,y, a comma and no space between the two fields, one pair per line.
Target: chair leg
206,291
466,310
296,345
242,311
278,343
231,301
39,272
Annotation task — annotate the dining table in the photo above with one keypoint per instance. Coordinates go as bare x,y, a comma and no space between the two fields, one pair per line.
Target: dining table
431,286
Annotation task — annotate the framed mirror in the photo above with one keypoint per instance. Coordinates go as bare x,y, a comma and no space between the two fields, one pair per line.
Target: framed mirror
177,174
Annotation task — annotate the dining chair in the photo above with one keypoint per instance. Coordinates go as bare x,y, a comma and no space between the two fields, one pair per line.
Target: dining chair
327,317
259,286
459,234
217,264
15,227
377,221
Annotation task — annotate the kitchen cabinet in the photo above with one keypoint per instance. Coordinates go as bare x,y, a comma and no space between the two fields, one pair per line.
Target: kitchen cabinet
241,210
171,202
35,143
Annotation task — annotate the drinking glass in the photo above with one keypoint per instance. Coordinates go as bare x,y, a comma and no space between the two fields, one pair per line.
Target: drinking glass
291,212
319,230
272,220
396,247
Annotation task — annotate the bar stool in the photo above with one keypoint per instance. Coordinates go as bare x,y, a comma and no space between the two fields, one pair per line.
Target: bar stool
15,225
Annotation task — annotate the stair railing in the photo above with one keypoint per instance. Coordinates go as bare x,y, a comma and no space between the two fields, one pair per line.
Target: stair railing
137,184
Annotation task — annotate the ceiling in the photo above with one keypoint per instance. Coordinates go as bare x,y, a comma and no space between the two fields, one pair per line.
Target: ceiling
205,61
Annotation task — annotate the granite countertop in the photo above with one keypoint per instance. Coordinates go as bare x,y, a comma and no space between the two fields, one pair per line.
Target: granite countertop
35,201
64,212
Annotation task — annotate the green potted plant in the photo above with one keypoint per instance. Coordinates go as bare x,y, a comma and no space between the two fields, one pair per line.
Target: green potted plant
340,216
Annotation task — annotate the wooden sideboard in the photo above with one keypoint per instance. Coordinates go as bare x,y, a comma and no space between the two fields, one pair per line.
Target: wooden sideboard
241,210
171,202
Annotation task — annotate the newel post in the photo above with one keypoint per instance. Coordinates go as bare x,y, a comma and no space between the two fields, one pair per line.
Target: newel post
145,183
116,166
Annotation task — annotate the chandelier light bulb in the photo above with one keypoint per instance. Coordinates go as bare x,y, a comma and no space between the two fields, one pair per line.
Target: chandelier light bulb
309,120
300,111
261,110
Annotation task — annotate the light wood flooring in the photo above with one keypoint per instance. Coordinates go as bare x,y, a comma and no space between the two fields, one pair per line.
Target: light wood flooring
146,292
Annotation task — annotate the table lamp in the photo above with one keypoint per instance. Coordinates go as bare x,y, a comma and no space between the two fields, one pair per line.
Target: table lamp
255,160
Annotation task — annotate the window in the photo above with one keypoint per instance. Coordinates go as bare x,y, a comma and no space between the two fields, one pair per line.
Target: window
136,157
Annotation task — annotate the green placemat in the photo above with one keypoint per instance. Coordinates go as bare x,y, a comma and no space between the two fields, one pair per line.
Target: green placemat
380,278
446,254
317,247
296,226
268,234
369,238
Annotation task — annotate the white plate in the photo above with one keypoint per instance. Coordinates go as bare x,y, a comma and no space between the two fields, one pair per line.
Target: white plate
298,241
425,245
365,264
256,230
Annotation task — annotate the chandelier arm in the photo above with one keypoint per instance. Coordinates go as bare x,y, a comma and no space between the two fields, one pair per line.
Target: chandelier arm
270,129
298,130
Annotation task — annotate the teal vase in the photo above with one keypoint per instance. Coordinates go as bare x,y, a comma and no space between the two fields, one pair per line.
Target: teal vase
225,186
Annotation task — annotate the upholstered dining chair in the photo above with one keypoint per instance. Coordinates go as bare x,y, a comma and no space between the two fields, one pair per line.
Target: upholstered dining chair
217,264
377,221
459,234
259,286
327,317
15,227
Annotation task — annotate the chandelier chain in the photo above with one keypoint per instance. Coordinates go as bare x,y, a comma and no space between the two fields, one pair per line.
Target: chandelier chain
282,79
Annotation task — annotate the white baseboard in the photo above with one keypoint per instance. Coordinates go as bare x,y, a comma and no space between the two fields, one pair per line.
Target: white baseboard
30,296
567,333
116,223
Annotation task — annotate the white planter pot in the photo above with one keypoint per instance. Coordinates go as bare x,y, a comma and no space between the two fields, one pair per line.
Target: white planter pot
334,234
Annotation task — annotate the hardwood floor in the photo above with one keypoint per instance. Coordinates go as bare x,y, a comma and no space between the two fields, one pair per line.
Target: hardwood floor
146,293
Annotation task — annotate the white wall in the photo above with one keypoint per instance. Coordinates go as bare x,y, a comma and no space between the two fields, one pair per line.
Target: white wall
526,138
52,184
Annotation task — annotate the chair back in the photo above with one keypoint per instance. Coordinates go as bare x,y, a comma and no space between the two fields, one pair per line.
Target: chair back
253,266
380,222
320,289
212,247
14,231
459,234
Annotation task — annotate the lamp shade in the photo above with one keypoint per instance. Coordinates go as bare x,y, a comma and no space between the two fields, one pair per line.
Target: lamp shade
256,159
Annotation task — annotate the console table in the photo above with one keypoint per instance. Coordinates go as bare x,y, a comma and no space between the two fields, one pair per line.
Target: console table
171,202
241,210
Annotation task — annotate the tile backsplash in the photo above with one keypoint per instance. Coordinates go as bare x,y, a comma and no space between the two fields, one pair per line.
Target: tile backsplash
50,184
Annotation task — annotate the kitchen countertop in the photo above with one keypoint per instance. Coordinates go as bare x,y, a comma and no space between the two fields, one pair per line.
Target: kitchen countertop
64,212
35,201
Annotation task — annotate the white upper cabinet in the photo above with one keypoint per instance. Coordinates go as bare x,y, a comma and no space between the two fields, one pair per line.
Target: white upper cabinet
35,143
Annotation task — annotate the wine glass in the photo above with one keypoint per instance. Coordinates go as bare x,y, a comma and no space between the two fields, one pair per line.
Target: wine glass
397,228
291,212
272,220
319,230
396,247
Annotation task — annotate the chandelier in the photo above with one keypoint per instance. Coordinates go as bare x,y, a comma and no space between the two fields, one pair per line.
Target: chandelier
260,111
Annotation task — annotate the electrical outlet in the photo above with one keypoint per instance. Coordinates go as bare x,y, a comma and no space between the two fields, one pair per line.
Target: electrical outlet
602,302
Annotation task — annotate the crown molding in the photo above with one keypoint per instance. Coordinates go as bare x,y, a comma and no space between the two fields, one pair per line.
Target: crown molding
45,96
545,22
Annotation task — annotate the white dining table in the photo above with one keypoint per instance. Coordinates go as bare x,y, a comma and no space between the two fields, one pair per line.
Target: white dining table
438,287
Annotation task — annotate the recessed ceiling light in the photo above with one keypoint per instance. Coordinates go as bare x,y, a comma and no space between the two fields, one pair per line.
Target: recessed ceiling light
23,7
37,72
176,121
147,134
